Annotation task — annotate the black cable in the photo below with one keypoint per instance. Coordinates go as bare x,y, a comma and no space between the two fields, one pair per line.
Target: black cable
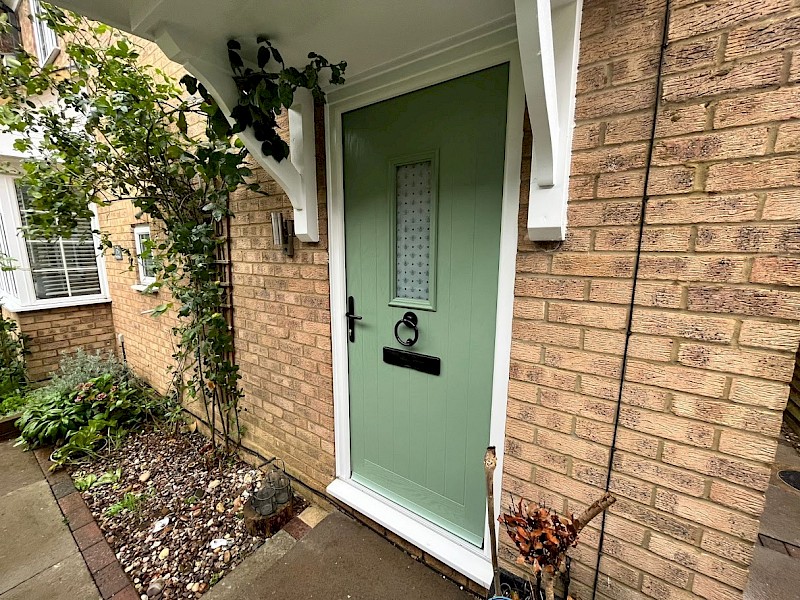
629,325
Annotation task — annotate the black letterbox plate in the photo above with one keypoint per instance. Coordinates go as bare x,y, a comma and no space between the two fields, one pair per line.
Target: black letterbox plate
412,360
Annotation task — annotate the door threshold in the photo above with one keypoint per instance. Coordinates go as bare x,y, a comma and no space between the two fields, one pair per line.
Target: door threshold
470,562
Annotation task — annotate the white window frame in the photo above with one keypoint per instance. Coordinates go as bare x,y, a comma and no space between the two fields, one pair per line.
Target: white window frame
47,47
144,280
25,299
12,4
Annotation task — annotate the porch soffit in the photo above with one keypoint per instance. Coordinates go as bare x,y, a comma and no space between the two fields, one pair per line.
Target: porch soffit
368,34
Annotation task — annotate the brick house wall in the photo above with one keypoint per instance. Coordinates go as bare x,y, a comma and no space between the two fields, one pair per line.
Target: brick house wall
715,323
55,332
148,340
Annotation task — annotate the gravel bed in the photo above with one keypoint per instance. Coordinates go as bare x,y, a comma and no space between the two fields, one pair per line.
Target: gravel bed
181,528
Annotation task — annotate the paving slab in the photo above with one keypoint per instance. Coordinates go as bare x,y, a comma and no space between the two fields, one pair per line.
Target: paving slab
17,468
773,576
38,556
786,456
65,580
237,584
33,535
781,518
340,559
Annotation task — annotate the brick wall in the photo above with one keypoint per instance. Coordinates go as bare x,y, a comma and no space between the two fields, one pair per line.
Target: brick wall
148,340
54,332
283,338
715,325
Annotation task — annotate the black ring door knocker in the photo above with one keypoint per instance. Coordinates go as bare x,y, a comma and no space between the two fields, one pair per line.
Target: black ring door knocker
409,320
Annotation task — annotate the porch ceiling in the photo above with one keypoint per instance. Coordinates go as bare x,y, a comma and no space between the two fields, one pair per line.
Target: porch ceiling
373,36
365,33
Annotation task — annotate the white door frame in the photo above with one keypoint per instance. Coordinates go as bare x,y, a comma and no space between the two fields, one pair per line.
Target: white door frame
454,58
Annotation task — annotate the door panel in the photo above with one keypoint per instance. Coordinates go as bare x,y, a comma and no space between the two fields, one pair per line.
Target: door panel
437,155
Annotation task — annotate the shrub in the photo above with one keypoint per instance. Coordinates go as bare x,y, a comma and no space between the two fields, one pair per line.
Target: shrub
82,422
12,404
12,359
80,367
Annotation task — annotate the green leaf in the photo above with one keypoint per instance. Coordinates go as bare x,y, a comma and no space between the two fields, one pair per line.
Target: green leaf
263,56
182,126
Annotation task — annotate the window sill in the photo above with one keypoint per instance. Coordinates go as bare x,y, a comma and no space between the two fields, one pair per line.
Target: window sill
144,288
13,305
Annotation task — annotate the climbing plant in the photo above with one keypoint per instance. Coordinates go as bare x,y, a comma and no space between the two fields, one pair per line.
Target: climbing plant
115,128
264,92
13,379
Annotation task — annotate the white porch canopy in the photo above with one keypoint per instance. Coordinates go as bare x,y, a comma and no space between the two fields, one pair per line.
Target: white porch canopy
373,36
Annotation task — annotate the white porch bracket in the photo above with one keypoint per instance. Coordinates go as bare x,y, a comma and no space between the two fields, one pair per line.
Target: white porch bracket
297,174
548,44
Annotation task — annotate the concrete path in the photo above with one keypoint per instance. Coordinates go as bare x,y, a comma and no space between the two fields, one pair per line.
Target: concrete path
776,575
338,559
38,556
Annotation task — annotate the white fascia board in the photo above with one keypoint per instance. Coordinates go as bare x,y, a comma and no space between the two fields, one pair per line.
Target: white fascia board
548,41
297,175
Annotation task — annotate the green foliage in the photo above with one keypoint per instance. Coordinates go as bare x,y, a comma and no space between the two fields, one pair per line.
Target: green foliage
118,129
90,480
12,362
81,366
98,412
264,93
130,503
12,404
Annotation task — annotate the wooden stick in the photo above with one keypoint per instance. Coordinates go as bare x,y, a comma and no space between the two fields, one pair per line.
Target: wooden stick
548,579
597,507
489,464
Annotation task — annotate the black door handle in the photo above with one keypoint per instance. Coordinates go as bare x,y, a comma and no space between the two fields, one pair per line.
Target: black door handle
352,317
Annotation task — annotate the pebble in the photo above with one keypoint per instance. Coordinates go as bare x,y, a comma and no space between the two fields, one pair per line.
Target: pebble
155,588
178,555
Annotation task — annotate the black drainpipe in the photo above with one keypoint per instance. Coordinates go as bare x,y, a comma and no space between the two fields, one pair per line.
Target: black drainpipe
629,325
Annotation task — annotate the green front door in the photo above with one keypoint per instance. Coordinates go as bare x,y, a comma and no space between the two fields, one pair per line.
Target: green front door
423,183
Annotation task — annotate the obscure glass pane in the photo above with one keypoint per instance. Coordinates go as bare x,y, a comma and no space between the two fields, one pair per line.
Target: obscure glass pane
413,252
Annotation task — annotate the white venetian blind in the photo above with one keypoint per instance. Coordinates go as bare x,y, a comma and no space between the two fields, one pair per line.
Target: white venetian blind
62,268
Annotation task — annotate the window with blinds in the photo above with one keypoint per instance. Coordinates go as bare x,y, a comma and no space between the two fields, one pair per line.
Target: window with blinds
62,268
8,284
